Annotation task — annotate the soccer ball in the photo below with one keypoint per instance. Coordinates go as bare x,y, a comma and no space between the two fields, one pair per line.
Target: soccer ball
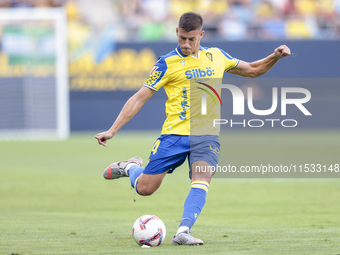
148,230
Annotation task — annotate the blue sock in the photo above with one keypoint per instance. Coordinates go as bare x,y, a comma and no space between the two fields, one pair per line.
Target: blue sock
134,172
194,203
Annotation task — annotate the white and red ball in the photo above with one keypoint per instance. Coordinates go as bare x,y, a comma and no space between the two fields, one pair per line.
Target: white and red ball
148,230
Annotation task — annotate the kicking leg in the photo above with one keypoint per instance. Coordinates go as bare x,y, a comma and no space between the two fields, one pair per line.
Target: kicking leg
147,184
144,184
121,169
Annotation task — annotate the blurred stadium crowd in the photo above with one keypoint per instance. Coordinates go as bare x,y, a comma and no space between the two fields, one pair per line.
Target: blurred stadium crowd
155,20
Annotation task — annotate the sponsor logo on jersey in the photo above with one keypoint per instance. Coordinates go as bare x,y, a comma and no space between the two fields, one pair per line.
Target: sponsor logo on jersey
199,73
184,105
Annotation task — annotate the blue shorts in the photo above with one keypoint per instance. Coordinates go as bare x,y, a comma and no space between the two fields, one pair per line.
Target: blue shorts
170,151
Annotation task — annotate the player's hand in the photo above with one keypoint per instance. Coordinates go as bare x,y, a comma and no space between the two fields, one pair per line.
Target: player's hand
103,137
282,51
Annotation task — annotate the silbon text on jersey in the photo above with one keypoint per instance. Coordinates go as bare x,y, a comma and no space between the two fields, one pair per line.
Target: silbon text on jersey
199,73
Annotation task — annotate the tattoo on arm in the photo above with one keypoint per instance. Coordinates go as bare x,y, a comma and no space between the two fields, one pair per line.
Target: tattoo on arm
236,71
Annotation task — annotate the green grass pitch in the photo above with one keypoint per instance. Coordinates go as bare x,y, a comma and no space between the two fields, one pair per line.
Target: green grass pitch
54,200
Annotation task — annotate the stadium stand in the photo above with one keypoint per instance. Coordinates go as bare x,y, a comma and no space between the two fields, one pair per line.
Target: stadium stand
154,20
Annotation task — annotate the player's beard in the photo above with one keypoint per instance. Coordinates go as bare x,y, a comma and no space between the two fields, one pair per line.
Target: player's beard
186,51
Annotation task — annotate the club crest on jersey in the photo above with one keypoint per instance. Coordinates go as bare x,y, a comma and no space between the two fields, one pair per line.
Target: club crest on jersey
210,56
214,150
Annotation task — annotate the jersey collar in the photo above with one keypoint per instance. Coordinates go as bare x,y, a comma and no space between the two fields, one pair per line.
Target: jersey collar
181,55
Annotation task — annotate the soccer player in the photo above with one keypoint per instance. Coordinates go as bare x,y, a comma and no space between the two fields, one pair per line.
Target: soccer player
174,72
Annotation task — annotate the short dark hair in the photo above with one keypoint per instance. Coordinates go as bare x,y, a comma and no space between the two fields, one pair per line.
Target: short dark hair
190,21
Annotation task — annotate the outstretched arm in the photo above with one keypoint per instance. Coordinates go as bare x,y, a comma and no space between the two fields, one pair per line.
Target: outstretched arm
257,68
130,109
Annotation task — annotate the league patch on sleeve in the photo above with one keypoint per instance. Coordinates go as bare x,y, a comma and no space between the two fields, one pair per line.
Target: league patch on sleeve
154,76
153,70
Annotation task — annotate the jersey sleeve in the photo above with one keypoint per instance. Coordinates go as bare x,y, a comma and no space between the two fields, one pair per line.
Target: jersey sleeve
158,76
229,61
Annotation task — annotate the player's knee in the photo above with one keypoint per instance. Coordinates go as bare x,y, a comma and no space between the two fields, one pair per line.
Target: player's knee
203,175
145,190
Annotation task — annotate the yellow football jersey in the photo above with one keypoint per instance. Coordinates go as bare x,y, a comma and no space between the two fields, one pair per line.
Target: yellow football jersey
185,80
